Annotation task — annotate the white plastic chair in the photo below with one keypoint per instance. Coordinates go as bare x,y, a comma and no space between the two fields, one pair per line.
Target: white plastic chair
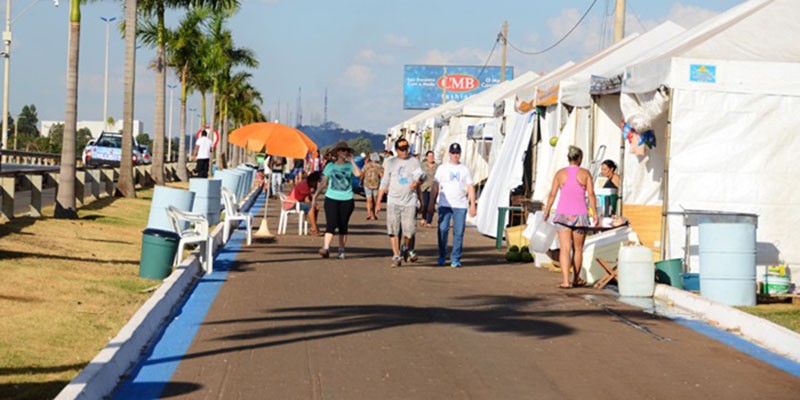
302,223
196,233
233,214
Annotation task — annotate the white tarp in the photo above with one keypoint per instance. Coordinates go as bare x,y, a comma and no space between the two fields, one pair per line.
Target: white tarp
507,175
735,87
758,30
737,152
575,88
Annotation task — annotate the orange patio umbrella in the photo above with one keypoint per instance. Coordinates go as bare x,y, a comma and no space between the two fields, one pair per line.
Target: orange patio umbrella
276,139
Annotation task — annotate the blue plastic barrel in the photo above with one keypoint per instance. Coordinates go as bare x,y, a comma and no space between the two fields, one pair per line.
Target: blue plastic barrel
728,263
251,175
241,186
207,197
229,181
164,197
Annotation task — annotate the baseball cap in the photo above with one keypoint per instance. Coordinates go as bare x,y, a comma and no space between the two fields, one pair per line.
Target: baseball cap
455,148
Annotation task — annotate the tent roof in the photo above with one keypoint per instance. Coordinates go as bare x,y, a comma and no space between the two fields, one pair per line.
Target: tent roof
575,89
756,31
429,113
482,104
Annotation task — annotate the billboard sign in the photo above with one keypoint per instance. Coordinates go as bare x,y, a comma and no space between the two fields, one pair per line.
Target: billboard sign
424,85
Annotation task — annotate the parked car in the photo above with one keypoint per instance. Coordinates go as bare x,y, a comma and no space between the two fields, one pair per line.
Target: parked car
107,151
146,159
86,149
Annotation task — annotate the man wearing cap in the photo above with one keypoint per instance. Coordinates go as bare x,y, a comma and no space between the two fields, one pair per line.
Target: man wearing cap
400,179
456,196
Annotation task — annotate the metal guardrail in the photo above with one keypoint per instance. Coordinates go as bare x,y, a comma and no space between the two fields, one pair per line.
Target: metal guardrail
28,158
90,185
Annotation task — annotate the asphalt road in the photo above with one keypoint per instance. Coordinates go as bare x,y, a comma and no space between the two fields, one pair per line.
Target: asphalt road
289,325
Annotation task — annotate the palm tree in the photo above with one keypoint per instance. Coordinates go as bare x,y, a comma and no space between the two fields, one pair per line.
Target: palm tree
239,101
125,182
182,51
221,57
158,8
65,198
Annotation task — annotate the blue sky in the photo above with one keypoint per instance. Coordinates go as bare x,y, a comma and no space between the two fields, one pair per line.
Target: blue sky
354,48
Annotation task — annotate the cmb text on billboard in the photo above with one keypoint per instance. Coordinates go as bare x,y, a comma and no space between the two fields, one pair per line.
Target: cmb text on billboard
424,85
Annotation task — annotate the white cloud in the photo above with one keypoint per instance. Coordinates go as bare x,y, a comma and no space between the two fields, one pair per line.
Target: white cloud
369,56
397,41
468,56
689,16
358,76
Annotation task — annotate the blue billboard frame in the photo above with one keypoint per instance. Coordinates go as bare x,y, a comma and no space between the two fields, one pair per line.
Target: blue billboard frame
422,89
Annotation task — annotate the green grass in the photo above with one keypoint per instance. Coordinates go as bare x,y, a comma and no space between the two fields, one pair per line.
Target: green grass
66,288
786,315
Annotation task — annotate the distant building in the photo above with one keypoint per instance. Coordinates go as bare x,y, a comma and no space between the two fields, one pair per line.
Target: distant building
96,127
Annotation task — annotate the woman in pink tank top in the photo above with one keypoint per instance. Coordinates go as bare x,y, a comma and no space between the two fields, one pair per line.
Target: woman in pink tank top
572,215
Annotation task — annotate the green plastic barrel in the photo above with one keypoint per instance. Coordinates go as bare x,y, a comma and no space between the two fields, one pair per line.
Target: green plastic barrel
669,272
158,253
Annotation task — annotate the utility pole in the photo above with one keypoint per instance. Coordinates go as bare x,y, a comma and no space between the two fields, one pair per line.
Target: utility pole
325,117
619,21
444,87
298,121
505,43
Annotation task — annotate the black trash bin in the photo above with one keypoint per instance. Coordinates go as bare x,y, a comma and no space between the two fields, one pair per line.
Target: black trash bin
158,253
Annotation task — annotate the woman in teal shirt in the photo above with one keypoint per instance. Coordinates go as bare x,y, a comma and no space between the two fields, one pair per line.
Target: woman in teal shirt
339,204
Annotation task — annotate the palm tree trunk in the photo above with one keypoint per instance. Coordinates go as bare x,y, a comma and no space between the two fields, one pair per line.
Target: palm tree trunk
161,82
65,198
221,145
125,183
235,156
182,140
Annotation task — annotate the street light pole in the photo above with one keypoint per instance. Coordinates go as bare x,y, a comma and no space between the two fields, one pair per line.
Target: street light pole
169,138
108,22
6,55
7,41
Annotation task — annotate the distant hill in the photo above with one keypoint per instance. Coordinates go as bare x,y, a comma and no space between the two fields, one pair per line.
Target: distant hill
329,133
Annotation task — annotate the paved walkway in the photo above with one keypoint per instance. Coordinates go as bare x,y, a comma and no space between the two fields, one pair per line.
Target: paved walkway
289,325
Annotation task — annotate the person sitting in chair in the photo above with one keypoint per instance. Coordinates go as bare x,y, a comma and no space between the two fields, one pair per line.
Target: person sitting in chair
302,194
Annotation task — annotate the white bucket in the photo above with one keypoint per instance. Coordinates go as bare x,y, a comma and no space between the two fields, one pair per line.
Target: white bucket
636,272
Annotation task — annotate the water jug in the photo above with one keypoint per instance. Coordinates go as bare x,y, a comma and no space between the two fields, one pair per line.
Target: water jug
544,232
636,271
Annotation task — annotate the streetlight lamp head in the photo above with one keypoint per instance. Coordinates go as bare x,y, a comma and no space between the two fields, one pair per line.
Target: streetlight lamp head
55,3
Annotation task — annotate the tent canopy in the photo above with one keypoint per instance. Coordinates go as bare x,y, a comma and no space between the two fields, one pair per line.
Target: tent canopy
756,31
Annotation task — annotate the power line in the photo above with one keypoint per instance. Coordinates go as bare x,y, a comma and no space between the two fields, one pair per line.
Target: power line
629,5
533,53
499,36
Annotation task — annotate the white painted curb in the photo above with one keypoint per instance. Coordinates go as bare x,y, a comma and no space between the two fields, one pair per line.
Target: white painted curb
99,379
765,333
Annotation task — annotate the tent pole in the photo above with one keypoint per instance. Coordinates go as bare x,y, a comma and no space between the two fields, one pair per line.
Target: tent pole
665,188
621,189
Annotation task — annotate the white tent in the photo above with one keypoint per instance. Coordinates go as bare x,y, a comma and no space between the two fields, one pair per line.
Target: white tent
569,112
508,173
478,111
729,90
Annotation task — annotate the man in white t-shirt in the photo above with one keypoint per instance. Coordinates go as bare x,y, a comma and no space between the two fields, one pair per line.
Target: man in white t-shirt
456,197
202,154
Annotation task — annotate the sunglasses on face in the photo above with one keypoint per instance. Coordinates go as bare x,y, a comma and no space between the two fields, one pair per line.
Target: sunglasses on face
402,148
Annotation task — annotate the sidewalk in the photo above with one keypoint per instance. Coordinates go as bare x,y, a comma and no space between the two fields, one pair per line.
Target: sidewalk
287,324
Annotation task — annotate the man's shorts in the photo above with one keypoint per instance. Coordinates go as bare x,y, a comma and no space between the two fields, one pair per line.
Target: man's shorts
404,217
